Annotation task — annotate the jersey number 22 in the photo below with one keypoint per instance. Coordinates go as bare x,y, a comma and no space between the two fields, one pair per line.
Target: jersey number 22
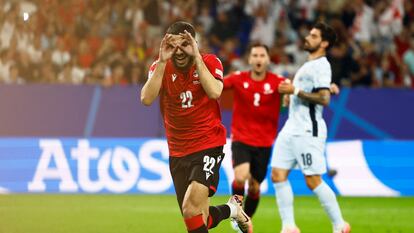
186,99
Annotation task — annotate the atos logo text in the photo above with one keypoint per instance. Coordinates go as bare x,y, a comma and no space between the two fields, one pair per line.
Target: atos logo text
116,169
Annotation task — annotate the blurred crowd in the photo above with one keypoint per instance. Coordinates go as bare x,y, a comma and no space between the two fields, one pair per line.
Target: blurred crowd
113,42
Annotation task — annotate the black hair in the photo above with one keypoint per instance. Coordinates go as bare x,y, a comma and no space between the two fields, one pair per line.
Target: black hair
327,33
179,27
258,44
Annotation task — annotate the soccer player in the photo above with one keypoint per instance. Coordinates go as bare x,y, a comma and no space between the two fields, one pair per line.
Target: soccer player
188,85
254,124
302,139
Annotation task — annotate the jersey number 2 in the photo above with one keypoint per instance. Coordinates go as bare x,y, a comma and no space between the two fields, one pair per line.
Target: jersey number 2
256,99
186,99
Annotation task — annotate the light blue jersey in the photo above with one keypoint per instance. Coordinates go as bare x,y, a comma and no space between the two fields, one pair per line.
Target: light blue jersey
306,118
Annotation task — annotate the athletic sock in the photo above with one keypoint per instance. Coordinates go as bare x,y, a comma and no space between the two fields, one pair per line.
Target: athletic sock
251,203
237,189
217,214
284,200
195,224
328,201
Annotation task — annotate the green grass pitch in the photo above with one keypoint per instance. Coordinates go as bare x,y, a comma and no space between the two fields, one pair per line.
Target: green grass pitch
159,213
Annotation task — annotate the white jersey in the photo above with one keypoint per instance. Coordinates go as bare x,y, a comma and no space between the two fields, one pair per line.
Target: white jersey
306,118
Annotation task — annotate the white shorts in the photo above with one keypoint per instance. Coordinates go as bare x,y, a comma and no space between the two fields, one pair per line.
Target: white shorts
305,151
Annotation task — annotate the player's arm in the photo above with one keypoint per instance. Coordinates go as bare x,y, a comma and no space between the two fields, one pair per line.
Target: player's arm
210,84
322,96
230,79
285,97
335,90
152,87
285,100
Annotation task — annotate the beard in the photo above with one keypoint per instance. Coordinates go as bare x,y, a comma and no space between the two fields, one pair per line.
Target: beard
309,48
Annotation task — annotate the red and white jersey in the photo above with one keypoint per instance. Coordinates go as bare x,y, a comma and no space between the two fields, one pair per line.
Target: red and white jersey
256,108
192,120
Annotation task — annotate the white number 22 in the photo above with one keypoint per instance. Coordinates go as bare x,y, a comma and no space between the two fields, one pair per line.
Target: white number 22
186,99
209,163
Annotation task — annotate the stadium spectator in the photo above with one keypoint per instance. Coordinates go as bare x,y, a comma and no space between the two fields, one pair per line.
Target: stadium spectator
7,28
136,74
5,63
408,58
223,29
114,27
14,75
263,30
34,50
286,66
204,18
85,55
384,75
363,23
47,73
60,56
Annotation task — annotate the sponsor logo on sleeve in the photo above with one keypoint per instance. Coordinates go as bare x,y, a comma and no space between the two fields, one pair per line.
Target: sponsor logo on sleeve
219,72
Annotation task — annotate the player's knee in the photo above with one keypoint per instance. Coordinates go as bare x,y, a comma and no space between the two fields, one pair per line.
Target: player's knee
240,180
278,176
313,181
241,177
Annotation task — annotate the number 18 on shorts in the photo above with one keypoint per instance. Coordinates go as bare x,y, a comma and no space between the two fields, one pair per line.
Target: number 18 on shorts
305,151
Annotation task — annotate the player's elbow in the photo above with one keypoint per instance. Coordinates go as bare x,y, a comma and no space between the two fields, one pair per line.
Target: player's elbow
324,100
146,101
214,95
325,103
215,92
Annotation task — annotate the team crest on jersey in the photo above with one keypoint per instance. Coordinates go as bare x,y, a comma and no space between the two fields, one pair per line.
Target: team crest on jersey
246,85
173,76
195,74
267,89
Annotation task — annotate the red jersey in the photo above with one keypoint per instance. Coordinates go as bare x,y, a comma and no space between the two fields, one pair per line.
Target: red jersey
192,120
256,108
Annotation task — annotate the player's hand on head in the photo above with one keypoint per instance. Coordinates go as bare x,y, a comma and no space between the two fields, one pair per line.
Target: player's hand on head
190,47
167,49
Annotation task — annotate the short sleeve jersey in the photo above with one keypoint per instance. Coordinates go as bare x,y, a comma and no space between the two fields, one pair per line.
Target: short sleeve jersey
192,120
256,108
306,118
